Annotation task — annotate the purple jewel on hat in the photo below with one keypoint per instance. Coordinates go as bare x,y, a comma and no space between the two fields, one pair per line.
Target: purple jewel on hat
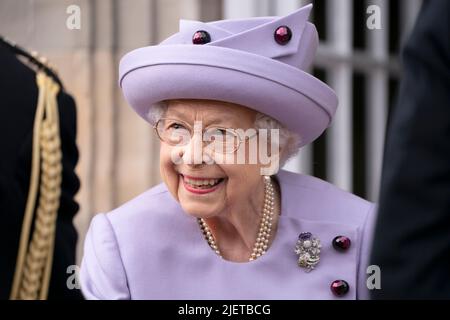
237,61
201,37
283,35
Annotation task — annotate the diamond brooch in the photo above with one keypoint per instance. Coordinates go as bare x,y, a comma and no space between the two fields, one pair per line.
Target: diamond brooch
308,251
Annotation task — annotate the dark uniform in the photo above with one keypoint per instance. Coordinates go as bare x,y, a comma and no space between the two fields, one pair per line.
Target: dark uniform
412,238
18,104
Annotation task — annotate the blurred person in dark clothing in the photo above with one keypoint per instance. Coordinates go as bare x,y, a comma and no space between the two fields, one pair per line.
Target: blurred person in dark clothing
412,238
37,179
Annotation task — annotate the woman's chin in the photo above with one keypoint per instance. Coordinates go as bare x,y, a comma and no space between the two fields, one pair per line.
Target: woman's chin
198,211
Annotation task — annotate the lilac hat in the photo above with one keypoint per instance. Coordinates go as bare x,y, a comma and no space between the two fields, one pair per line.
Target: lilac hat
259,63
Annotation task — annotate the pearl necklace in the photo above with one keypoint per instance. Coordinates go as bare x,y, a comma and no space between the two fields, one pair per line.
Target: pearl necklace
265,226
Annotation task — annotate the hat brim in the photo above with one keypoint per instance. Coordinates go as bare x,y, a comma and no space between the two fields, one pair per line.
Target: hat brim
298,100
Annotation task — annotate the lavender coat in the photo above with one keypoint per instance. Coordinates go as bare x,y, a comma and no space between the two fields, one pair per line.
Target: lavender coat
150,249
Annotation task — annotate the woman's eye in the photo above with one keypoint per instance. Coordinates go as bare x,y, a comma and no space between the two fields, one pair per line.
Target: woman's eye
217,134
176,126
221,132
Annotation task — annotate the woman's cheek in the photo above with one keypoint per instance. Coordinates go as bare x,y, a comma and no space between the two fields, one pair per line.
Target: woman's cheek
168,172
236,184
244,181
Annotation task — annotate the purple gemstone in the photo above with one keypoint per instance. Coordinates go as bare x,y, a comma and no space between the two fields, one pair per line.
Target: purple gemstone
305,236
201,37
339,287
341,243
283,35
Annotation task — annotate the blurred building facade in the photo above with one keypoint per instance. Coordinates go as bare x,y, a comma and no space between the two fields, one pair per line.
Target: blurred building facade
118,151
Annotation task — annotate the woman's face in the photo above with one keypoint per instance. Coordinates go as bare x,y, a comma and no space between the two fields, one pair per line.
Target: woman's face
207,190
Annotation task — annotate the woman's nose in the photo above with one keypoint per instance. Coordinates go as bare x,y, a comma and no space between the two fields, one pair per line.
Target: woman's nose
193,151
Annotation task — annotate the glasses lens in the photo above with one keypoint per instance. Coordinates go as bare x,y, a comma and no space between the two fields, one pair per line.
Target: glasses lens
173,132
221,140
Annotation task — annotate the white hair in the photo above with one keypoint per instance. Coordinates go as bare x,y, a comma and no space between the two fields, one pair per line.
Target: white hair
289,140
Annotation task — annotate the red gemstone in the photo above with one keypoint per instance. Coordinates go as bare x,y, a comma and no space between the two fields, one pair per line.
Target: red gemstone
283,35
201,37
339,287
341,243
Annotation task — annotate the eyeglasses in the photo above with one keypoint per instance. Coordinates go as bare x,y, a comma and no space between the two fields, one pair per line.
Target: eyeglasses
179,133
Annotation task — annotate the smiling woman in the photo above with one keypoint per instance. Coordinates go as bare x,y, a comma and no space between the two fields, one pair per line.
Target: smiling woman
227,197
226,223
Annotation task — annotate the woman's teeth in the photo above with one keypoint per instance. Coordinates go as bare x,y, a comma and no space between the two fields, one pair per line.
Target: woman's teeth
204,183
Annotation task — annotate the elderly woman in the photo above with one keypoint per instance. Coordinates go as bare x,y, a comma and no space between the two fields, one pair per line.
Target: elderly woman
231,102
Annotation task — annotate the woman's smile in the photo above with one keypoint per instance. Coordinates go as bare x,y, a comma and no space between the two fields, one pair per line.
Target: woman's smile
201,185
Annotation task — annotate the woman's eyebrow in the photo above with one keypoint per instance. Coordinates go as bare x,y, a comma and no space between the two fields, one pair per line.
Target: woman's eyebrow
175,113
224,118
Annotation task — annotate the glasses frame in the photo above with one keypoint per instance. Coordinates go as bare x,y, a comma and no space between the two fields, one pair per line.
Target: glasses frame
191,130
